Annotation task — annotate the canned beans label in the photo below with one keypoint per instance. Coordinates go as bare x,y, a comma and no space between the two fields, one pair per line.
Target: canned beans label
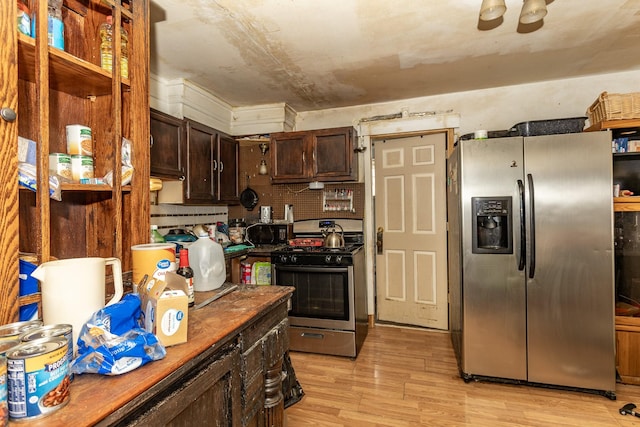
38,384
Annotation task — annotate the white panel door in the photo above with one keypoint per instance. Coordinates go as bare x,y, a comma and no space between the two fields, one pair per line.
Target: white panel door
410,209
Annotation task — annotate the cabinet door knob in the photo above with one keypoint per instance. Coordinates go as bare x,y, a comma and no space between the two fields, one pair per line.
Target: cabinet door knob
8,114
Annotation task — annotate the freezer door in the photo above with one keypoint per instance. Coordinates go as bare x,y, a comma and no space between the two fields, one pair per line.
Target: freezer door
493,290
570,299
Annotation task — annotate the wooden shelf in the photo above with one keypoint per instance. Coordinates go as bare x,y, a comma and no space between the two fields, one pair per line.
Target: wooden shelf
92,187
87,188
626,204
66,71
628,323
614,124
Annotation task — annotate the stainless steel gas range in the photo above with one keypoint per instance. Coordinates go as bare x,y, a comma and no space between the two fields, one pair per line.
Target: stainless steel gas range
329,306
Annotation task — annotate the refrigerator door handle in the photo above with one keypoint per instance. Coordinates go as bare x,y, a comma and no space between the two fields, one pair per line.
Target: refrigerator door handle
523,232
532,228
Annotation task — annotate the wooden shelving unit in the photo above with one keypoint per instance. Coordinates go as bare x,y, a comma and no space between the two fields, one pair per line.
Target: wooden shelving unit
614,124
627,328
50,88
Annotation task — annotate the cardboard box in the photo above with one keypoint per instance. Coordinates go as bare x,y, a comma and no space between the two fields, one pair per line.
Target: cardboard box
165,306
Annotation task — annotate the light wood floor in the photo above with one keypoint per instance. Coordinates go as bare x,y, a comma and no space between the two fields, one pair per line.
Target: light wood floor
408,377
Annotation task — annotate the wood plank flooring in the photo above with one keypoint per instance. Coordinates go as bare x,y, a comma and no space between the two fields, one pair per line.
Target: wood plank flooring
408,377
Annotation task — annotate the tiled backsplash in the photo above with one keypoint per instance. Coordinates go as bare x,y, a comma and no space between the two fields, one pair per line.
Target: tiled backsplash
167,217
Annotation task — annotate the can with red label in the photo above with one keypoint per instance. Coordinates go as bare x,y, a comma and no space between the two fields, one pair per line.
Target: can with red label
245,272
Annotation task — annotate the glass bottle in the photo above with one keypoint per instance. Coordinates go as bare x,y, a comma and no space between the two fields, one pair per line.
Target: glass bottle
187,272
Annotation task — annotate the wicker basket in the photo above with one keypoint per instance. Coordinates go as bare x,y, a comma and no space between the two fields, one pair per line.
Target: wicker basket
614,106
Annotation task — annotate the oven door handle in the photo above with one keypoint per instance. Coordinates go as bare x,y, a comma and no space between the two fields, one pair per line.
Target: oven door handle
312,269
312,335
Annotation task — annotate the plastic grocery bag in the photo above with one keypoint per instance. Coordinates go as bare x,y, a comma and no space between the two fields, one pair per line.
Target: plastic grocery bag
113,343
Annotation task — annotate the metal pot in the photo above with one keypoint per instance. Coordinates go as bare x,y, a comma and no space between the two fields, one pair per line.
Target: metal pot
333,239
200,230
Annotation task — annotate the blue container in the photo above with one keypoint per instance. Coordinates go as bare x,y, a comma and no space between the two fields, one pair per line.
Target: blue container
28,286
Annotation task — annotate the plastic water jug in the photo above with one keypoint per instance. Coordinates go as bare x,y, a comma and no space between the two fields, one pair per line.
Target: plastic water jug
206,258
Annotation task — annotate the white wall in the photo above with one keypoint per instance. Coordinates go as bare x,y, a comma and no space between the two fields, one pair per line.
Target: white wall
492,109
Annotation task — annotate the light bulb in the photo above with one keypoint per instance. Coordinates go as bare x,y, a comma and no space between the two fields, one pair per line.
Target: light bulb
262,170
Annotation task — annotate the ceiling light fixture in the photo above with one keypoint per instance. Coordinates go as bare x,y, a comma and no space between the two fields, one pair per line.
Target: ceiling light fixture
533,11
492,9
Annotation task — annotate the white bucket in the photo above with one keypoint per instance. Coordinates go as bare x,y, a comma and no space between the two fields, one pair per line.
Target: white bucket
153,259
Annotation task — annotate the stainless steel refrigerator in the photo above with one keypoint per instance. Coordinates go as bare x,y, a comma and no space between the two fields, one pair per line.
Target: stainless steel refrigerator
531,260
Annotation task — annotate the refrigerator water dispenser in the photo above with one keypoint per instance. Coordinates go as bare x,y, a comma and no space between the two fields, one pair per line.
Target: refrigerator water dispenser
492,229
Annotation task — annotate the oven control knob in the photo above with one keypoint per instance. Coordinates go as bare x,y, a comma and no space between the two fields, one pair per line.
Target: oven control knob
293,259
338,259
327,259
283,259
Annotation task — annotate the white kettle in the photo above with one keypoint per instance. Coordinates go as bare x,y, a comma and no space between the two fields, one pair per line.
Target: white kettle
73,289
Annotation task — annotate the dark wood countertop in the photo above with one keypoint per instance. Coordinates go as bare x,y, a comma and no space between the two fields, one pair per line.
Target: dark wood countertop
93,396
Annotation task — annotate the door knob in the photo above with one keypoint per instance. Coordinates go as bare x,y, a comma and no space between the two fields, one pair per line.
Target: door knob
8,114
379,239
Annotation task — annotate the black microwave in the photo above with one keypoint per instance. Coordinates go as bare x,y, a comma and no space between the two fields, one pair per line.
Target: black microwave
267,234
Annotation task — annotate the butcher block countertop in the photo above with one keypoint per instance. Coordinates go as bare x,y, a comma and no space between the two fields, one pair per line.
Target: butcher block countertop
93,396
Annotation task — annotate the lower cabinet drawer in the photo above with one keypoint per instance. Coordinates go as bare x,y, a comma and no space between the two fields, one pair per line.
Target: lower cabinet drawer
317,340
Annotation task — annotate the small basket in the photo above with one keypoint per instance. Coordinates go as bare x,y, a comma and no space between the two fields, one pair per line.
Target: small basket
614,106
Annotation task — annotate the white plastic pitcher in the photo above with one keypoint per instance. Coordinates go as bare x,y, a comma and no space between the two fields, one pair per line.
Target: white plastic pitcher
73,289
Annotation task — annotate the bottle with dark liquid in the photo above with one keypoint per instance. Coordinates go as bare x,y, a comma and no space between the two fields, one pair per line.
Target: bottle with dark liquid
187,272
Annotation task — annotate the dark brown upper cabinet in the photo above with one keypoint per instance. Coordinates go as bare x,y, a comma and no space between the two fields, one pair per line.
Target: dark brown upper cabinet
167,146
205,159
228,158
202,164
315,155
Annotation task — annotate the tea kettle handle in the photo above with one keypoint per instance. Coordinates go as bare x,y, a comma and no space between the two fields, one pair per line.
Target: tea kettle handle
116,268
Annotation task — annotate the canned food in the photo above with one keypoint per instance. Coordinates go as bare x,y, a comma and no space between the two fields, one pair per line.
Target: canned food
12,331
245,273
7,345
79,140
4,408
81,167
60,164
38,378
49,331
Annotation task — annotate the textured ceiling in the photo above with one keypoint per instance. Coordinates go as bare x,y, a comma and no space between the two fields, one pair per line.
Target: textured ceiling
317,54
